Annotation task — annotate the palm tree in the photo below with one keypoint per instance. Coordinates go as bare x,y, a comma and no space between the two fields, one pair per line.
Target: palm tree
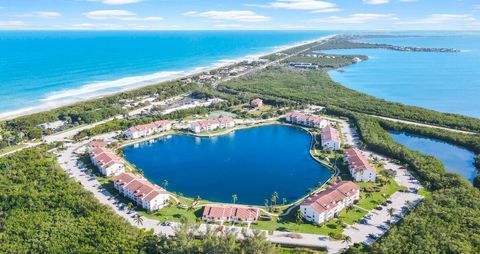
234,198
266,202
347,239
349,209
274,198
284,201
138,220
391,211
165,184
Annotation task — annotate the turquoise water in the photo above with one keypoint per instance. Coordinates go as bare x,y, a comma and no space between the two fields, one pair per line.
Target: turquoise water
455,159
251,163
447,82
41,68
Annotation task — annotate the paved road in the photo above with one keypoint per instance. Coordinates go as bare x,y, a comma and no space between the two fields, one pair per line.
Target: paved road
424,125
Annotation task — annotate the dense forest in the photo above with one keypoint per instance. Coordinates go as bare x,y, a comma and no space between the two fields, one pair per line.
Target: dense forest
44,211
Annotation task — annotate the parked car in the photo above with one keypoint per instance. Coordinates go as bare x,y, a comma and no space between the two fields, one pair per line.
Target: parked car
373,236
363,221
389,201
379,208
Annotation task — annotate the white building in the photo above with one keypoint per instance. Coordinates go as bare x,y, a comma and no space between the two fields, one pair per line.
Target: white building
148,129
323,206
145,194
256,103
330,138
359,167
107,162
306,120
223,122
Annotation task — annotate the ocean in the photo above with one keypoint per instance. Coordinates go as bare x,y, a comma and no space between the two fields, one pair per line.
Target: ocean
40,69
447,82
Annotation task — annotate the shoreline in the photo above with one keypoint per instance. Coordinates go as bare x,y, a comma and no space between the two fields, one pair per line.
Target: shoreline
177,75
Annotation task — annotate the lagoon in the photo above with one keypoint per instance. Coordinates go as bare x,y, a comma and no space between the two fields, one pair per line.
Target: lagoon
455,159
251,163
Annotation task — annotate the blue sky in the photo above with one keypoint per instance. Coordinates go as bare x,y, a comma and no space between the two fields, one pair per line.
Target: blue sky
239,14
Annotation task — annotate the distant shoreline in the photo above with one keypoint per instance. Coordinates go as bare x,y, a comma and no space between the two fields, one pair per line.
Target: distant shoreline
8,115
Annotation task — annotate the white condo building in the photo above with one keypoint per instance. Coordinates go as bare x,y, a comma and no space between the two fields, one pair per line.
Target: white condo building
223,122
359,167
323,206
308,120
330,138
107,162
148,129
145,194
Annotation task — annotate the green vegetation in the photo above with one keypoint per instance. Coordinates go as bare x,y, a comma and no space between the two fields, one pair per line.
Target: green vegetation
317,87
447,220
327,61
43,211
25,127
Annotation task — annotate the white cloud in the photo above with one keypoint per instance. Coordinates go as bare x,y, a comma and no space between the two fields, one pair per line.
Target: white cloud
40,14
118,15
308,5
116,2
376,1
13,25
243,16
357,18
440,19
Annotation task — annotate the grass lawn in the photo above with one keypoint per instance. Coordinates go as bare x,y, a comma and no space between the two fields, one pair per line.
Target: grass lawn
10,148
173,213
378,195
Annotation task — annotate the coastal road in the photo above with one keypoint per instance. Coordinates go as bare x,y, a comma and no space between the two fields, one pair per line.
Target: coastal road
424,125
321,41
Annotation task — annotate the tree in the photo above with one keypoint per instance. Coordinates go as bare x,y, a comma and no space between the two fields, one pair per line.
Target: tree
165,184
391,211
265,202
256,243
234,198
138,219
130,206
299,216
274,198
284,201
347,239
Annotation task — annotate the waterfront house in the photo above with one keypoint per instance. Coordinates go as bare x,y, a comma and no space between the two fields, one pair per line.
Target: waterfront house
256,103
358,165
226,213
223,122
323,206
149,196
107,162
148,129
308,120
330,138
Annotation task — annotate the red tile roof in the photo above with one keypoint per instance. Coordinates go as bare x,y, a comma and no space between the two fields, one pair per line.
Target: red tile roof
330,134
139,186
231,212
328,199
357,160
305,117
105,157
256,102
210,122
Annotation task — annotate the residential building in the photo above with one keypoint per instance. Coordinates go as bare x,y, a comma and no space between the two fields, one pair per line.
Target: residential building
330,138
308,120
323,206
107,162
96,144
148,129
149,196
256,103
359,167
225,213
223,122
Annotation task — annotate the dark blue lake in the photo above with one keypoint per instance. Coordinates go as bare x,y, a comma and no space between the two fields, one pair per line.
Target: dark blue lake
455,159
251,163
